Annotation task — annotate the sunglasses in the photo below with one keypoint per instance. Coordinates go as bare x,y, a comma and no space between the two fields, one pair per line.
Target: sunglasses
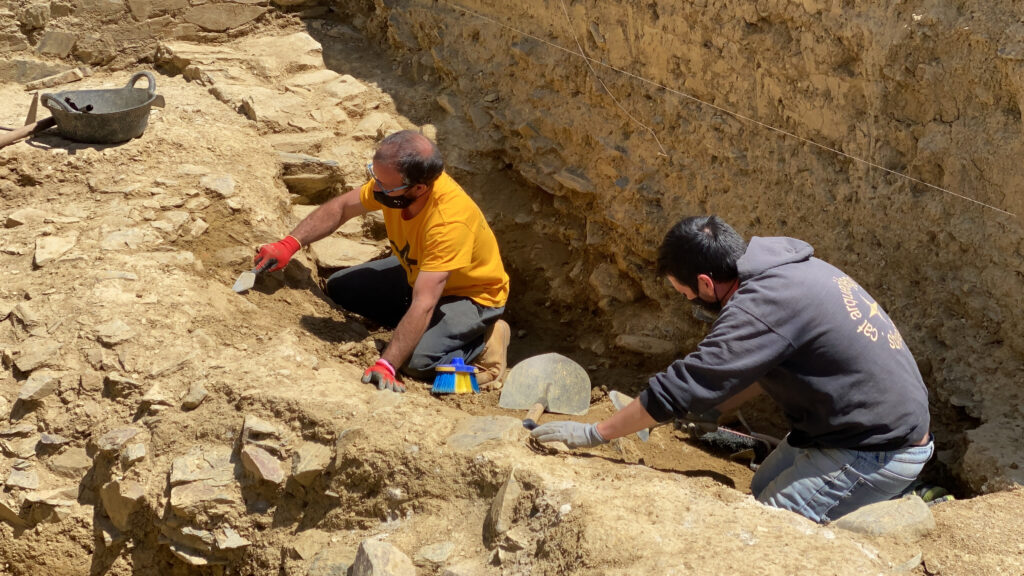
369,172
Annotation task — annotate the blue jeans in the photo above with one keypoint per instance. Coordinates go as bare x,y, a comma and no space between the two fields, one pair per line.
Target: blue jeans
824,484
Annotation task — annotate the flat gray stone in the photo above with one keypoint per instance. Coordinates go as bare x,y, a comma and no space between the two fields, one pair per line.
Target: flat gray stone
205,496
24,479
473,432
221,185
115,439
222,17
228,539
909,517
210,463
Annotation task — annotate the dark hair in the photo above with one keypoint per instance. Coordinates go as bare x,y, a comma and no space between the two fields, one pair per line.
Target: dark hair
415,157
700,245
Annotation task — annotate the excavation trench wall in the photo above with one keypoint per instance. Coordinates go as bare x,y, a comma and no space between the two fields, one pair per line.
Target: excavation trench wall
784,118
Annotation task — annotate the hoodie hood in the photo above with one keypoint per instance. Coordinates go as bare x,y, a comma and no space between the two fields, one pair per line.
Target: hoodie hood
767,253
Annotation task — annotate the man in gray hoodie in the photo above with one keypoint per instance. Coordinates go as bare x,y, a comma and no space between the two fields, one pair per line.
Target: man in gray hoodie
816,342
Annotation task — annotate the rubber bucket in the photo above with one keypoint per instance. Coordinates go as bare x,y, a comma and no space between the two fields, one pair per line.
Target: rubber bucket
104,116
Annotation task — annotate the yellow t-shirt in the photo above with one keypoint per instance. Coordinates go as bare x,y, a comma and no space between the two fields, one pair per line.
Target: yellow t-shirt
450,235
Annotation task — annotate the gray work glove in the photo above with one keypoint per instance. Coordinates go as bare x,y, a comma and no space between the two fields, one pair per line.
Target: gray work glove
572,434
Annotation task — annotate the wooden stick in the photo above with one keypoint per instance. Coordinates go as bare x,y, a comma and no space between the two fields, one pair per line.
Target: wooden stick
27,130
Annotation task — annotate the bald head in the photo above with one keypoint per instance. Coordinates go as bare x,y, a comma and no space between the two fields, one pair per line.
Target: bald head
413,155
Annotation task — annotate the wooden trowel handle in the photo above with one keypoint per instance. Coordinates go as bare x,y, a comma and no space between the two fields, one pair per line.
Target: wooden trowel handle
27,130
532,415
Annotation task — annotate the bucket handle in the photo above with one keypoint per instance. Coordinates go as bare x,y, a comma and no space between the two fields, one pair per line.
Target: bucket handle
152,82
52,103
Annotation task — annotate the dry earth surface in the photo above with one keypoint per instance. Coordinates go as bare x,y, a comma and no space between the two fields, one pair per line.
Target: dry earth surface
159,423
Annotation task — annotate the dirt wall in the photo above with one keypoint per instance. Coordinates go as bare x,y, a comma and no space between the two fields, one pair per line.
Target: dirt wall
888,137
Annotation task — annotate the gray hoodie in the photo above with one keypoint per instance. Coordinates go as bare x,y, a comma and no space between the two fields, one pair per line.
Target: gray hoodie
817,342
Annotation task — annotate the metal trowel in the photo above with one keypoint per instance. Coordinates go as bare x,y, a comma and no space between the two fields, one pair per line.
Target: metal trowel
248,278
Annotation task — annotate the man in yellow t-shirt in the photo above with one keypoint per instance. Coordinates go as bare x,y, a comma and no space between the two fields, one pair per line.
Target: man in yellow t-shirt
443,289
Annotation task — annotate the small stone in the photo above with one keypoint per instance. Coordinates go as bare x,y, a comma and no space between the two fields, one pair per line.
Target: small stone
261,464
211,463
72,463
435,554
155,396
908,516
39,385
113,332
37,352
228,539
10,513
309,461
120,499
120,386
132,454
195,396
205,496
115,439
20,447
254,428
223,186
376,558
50,248
21,430
198,228
24,479
51,440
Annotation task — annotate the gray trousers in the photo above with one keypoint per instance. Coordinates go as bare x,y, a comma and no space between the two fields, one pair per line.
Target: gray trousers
379,290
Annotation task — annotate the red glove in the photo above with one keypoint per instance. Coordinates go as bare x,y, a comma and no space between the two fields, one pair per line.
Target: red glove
382,373
281,251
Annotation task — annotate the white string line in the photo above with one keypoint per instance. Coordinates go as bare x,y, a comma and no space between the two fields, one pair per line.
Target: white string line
586,59
729,112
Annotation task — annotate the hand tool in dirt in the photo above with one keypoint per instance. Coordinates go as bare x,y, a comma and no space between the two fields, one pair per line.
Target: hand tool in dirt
248,278
455,378
32,126
552,381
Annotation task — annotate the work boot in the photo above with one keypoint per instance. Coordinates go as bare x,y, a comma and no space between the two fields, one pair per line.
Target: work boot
492,364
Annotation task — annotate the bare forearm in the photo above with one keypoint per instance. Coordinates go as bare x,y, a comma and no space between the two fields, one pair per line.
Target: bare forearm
407,335
327,218
632,418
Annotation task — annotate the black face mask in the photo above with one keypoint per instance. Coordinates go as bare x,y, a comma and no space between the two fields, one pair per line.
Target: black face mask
397,202
706,311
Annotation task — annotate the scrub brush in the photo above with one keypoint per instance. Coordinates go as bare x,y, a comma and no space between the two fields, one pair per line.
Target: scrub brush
455,378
